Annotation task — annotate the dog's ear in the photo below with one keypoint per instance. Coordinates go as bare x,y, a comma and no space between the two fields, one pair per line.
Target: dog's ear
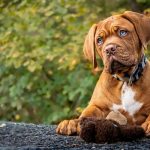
89,46
141,24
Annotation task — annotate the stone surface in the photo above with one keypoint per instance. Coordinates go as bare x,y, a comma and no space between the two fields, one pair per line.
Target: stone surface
35,137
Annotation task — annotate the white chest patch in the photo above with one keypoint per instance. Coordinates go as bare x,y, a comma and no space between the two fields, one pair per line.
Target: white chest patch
128,102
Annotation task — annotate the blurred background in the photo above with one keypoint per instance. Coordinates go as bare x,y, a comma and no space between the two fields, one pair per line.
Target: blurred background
44,77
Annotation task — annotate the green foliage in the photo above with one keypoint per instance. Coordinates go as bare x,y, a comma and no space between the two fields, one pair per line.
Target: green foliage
43,74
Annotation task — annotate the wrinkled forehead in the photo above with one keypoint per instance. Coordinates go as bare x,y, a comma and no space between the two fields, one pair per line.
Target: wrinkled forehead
115,21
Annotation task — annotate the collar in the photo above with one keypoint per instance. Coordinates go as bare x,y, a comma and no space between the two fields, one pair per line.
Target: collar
136,74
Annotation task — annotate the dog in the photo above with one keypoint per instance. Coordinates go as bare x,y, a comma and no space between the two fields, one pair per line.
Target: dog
124,84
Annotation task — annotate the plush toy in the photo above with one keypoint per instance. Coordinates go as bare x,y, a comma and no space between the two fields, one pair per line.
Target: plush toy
118,117
112,129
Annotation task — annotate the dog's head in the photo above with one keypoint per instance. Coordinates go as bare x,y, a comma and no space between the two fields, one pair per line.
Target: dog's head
119,40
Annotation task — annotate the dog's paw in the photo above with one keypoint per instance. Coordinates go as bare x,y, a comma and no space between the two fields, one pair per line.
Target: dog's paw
68,127
146,127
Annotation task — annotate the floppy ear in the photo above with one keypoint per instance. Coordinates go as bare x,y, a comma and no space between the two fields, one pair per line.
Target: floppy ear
141,24
89,46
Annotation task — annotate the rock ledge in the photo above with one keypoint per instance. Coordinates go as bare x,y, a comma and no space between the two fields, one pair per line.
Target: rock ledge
35,137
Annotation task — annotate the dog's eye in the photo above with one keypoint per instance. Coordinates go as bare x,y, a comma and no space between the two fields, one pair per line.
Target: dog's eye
100,40
123,33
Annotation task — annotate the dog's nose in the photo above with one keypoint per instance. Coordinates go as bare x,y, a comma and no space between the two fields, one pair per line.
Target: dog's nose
110,49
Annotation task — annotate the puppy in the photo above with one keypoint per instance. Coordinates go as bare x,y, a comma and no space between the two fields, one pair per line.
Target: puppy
124,84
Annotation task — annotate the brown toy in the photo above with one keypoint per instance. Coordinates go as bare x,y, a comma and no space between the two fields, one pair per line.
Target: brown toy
118,117
108,130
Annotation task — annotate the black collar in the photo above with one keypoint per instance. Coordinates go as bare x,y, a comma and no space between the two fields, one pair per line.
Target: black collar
136,74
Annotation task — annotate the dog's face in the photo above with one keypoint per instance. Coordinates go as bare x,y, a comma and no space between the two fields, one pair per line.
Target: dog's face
117,43
119,40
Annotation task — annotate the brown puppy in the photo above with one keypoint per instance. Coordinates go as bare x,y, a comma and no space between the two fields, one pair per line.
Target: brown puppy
124,84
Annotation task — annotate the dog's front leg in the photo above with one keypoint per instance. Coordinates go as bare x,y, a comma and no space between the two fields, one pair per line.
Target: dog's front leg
146,126
72,127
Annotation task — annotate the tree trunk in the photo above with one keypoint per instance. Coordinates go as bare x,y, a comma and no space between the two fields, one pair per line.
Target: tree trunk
134,6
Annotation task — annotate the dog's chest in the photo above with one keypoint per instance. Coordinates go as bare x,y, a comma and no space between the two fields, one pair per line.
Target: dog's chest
128,101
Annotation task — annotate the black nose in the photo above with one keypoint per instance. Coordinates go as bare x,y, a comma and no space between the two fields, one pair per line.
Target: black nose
110,49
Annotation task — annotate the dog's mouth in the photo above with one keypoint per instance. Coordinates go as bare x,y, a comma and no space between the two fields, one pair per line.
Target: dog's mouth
116,66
